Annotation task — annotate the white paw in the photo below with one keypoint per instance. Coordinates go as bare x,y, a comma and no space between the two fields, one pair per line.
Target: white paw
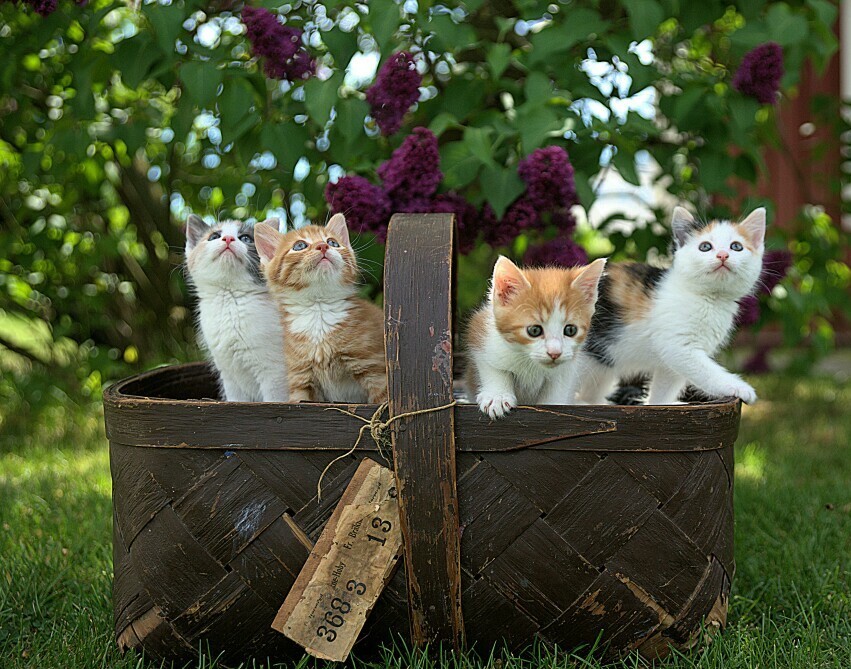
496,405
743,391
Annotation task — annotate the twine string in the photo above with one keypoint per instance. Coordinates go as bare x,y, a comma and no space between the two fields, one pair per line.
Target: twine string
377,429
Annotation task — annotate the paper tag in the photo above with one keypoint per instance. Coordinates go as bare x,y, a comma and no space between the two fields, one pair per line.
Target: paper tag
347,569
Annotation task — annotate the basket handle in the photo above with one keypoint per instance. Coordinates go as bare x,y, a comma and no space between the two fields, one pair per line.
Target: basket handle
418,344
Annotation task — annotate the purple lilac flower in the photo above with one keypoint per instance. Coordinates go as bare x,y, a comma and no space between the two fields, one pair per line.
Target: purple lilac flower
549,179
775,265
42,7
521,215
280,45
564,220
760,72
413,171
561,252
395,89
758,362
466,218
365,206
748,313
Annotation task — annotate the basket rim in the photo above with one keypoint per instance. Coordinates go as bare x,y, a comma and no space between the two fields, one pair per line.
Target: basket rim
157,422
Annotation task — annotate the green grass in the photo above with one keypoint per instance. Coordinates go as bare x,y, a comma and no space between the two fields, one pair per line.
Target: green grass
791,600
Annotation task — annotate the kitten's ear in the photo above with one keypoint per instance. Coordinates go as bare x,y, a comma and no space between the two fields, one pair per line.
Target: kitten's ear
753,227
337,228
196,230
682,223
589,279
266,238
508,280
274,223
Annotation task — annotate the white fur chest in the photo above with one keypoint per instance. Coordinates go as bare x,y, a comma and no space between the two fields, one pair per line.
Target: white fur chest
529,376
316,320
243,332
695,321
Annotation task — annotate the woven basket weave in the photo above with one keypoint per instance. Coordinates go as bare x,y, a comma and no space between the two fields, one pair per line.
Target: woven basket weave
576,525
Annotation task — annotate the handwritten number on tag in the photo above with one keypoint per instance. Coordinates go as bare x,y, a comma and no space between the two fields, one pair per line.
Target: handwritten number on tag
356,587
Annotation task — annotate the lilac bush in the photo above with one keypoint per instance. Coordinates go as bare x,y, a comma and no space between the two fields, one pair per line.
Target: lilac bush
396,88
760,72
280,45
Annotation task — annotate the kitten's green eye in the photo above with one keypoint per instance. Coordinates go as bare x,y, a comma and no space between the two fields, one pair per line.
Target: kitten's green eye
705,246
245,239
215,235
737,246
534,331
570,330
333,242
300,245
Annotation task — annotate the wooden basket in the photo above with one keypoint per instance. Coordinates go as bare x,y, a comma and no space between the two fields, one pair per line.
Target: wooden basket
574,525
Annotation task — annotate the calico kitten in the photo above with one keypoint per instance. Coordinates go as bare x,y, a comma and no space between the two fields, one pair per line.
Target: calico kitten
238,321
522,342
335,340
670,323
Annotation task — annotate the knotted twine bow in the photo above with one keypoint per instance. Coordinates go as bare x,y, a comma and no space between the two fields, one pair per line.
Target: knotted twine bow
378,430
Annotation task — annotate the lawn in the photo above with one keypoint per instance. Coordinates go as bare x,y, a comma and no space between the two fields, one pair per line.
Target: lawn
791,600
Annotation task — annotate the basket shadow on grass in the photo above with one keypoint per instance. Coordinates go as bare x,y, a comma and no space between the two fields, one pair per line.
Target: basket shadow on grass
791,601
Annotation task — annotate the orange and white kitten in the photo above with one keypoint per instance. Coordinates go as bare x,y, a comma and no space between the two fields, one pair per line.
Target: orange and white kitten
523,341
334,346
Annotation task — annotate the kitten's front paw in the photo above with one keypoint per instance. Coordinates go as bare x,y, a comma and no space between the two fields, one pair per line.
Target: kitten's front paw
743,391
497,405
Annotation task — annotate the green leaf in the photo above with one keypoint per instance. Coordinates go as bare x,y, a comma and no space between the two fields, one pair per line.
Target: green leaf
351,113
479,144
84,100
784,26
201,81
501,187
320,97
236,101
534,125
624,161
459,166
714,169
182,120
286,141
743,111
463,96
499,56
231,132
341,45
644,17
166,22
578,25
538,88
134,58
441,122
448,35
384,19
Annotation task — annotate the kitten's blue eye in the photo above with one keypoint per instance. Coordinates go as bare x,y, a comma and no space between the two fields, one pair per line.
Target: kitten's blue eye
245,239
570,330
534,330
215,235
300,245
737,246
333,242
705,246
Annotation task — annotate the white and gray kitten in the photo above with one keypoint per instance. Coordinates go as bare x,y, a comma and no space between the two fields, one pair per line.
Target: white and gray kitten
239,323
670,323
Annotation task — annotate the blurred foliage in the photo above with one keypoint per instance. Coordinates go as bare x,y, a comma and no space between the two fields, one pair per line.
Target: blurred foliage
116,121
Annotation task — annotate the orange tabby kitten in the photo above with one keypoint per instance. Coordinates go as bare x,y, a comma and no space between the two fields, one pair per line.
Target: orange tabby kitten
523,342
334,346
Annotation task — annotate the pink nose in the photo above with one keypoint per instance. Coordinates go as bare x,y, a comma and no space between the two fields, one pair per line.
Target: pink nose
554,355
722,255
228,239
323,247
